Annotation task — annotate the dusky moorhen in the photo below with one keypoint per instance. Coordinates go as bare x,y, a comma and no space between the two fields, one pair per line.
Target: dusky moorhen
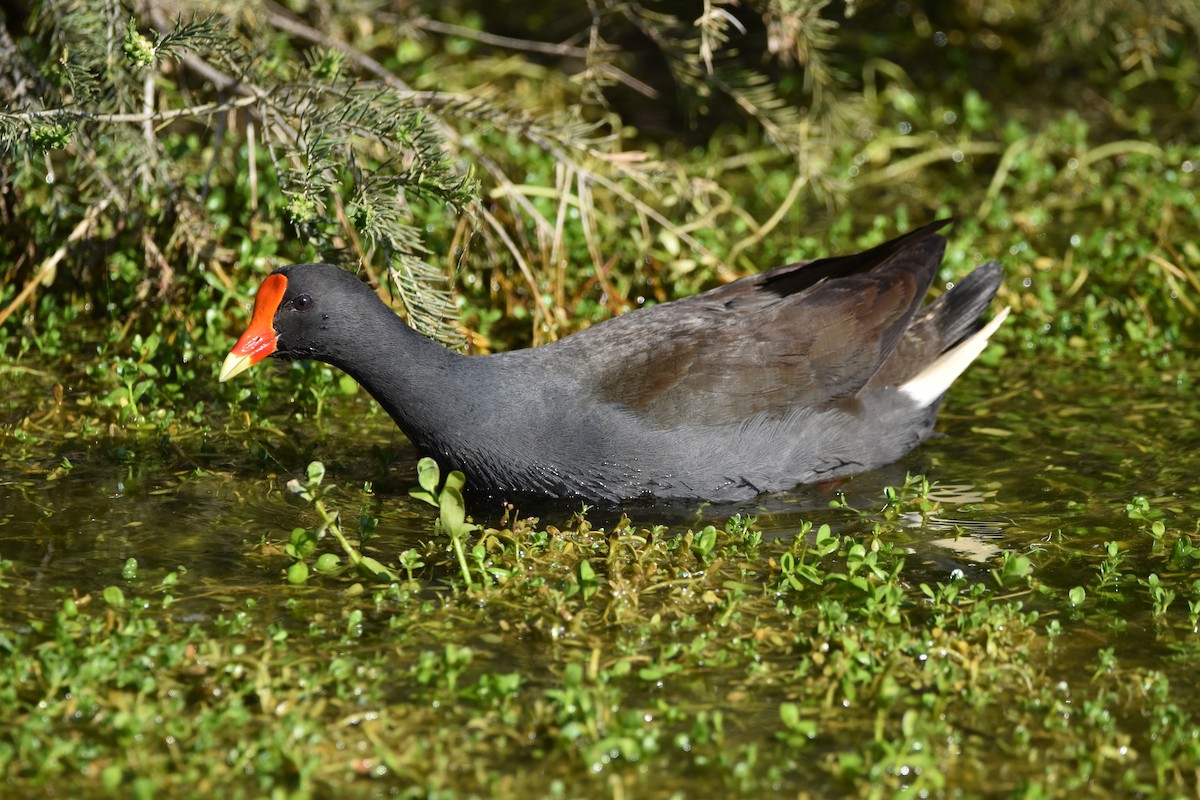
806,372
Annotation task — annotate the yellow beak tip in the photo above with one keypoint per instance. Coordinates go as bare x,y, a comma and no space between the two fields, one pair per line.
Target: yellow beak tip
234,365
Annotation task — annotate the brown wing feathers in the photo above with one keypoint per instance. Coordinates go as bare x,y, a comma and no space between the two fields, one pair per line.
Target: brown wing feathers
799,335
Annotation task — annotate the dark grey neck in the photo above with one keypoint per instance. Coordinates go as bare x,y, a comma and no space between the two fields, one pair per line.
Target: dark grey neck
416,380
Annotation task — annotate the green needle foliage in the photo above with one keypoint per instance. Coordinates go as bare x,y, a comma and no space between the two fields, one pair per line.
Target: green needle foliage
118,111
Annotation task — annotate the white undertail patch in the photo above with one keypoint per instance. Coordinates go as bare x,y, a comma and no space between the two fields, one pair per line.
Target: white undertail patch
933,381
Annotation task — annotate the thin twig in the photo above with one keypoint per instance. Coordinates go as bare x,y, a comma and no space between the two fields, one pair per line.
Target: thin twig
893,172
558,263
508,42
148,124
252,164
545,48
48,266
799,183
280,19
535,295
144,117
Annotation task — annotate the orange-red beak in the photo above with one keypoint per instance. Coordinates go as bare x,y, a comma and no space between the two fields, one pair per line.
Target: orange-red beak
260,337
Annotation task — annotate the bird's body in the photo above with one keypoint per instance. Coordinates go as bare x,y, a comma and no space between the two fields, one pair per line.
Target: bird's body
799,374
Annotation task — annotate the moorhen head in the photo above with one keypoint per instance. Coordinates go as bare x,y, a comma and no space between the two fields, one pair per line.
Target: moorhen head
807,372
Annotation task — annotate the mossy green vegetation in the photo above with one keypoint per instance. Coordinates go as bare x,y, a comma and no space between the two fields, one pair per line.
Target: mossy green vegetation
830,658
225,589
1032,635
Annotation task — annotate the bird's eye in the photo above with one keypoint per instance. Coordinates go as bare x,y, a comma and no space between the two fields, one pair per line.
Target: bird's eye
302,302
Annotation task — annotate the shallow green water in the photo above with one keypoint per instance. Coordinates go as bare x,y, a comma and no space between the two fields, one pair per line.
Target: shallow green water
1042,464
1034,457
